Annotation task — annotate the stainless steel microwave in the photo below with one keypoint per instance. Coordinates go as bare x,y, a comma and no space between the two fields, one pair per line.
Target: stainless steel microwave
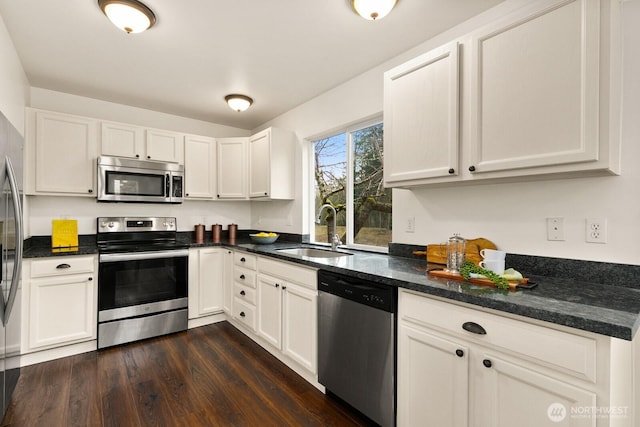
143,181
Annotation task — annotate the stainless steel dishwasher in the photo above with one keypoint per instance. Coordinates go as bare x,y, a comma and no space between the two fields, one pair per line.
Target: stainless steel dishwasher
356,344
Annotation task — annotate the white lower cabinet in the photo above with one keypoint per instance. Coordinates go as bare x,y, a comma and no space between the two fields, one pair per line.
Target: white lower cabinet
429,367
244,285
270,309
59,302
227,287
459,366
287,313
206,281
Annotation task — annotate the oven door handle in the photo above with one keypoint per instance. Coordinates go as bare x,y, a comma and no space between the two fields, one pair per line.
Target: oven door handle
135,256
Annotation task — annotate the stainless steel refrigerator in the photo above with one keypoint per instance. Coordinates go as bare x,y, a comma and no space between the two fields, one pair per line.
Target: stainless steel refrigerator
11,242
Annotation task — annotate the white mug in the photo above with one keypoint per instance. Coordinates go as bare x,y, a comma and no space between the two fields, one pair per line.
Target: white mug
495,265
492,254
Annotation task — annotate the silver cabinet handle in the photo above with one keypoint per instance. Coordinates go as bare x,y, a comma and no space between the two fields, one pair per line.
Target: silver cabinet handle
17,265
177,253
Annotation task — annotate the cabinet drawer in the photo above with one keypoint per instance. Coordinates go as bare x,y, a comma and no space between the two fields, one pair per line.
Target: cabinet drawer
244,293
569,353
243,259
306,277
244,276
244,312
62,266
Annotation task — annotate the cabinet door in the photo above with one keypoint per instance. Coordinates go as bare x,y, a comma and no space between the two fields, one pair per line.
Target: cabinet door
232,168
62,310
260,164
119,139
228,282
206,278
300,320
421,117
65,154
433,385
199,167
509,394
535,88
165,146
270,309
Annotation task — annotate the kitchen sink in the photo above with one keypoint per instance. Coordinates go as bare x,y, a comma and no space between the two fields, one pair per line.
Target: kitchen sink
312,253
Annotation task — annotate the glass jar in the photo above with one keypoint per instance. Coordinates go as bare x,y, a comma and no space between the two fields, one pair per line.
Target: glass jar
455,253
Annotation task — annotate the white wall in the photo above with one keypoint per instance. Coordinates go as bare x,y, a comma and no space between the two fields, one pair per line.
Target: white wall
14,86
86,210
89,107
511,214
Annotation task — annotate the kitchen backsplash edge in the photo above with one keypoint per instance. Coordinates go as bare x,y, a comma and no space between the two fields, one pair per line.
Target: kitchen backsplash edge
624,275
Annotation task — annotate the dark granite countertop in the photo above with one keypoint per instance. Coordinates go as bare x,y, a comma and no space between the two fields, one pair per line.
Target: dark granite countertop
595,307
607,307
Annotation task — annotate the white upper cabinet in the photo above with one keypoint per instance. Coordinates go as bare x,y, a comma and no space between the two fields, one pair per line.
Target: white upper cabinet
136,142
534,89
60,153
200,167
121,140
165,146
421,117
271,164
232,168
539,95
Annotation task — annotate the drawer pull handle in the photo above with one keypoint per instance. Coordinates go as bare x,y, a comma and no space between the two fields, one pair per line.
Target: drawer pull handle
459,353
242,259
242,276
90,279
242,293
63,266
474,328
487,363
242,314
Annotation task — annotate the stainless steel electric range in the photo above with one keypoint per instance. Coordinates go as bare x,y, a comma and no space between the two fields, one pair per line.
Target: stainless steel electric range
143,279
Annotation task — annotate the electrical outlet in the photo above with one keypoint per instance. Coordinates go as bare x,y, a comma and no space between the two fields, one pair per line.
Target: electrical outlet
411,224
555,229
596,230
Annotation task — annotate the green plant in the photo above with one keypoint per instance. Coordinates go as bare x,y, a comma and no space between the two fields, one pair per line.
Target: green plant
470,267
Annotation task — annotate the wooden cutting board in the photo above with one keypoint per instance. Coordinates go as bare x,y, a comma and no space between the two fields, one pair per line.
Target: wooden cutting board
456,276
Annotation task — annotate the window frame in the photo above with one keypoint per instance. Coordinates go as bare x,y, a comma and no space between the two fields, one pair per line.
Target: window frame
348,131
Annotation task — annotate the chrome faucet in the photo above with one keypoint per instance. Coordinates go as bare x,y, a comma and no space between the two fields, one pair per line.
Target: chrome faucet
335,241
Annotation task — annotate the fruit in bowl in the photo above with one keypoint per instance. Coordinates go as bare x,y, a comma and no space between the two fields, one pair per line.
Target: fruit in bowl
264,238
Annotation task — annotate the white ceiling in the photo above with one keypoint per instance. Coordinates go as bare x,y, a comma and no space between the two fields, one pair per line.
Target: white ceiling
281,52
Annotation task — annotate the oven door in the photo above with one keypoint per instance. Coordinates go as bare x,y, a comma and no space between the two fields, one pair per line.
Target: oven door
141,283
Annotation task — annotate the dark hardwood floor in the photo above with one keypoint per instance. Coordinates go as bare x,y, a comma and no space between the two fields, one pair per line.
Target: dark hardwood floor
208,376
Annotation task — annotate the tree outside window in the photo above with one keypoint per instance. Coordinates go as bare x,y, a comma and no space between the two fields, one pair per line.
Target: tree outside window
348,175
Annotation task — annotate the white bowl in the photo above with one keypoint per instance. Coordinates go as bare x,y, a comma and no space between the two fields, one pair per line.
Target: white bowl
263,240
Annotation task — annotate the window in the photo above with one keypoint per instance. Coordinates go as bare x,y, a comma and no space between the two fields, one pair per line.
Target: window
347,174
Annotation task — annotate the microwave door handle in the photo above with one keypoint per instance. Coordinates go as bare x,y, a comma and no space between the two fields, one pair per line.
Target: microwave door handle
167,186
17,264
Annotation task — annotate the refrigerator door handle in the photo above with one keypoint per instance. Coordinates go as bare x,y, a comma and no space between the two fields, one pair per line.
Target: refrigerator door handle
17,265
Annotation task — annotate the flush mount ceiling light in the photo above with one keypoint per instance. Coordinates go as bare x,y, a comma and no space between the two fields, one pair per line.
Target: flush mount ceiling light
130,16
373,9
238,102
